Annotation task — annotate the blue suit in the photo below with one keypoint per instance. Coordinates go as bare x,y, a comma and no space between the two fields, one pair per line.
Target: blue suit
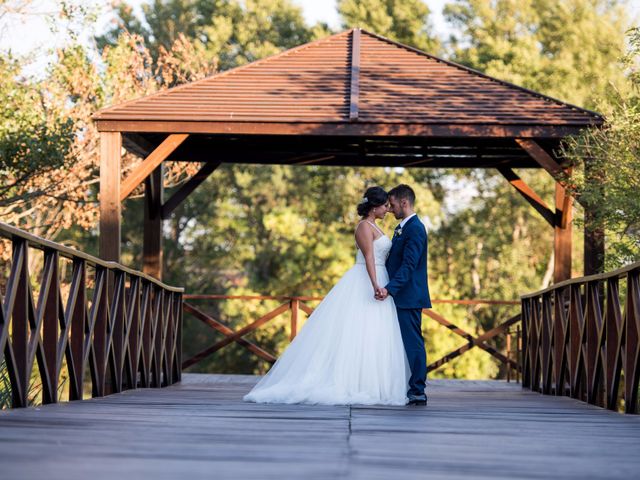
407,267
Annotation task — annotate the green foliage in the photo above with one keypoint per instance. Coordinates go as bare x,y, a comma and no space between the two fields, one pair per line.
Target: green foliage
232,31
34,388
406,21
5,386
31,138
568,50
275,230
612,157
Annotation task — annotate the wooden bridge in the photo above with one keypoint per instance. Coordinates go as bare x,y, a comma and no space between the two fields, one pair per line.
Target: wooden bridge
201,428
580,339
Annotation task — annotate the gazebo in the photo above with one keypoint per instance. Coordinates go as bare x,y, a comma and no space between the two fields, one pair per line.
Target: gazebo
351,99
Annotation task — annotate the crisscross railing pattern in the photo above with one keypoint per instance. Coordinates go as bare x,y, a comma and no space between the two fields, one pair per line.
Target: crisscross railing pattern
126,329
581,338
292,304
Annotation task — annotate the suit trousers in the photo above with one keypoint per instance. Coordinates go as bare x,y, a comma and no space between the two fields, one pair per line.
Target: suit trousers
410,320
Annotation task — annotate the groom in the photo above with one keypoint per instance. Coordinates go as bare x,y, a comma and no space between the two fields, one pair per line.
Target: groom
407,267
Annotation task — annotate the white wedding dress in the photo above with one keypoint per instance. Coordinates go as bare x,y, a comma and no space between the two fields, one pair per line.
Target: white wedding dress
349,351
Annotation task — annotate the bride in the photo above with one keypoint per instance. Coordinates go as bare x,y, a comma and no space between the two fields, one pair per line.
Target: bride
350,350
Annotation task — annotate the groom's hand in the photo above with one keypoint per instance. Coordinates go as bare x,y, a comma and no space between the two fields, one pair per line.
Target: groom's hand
382,293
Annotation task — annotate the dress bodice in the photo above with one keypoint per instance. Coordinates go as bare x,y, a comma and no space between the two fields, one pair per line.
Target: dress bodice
381,247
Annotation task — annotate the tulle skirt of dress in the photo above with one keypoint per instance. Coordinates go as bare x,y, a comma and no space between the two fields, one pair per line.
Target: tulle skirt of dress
349,351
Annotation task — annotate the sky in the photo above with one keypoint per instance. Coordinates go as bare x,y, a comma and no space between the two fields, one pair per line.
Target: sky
32,34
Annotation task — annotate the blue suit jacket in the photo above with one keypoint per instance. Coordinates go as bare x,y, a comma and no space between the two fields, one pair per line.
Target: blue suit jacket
407,266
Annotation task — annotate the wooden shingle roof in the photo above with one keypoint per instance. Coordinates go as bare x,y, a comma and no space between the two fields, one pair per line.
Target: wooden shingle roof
352,78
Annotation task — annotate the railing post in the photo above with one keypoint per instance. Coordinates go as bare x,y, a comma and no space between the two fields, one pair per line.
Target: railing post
50,323
595,340
518,356
294,305
509,355
19,283
632,342
526,321
111,333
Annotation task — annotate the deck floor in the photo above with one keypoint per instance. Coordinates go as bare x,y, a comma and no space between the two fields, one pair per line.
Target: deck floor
201,429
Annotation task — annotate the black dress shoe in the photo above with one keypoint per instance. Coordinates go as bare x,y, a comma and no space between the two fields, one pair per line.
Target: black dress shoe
418,401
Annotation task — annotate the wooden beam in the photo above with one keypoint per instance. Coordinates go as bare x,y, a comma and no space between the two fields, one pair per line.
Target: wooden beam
355,75
314,161
110,147
226,331
472,341
563,235
529,195
545,160
137,144
189,186
316,128
150,163
565,213
235,336
152,224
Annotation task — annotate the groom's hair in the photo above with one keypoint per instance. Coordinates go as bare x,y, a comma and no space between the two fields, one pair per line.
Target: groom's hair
403,192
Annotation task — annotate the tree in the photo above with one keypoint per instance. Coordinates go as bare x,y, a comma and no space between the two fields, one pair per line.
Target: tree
49,144
611,154
406,21
568,50
33,141
231,31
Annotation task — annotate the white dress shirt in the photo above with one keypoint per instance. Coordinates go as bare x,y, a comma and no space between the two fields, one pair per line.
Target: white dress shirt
406,219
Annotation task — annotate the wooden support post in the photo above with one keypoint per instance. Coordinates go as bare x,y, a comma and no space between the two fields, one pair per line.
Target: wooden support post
593,235
110,145
518,357
562,240
152,234
509,355
593,246
295,304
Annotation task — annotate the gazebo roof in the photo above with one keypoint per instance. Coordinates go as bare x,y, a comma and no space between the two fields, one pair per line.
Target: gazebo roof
315,81
354,85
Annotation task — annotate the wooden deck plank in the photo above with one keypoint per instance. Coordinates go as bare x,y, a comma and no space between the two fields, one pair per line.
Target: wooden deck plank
202,429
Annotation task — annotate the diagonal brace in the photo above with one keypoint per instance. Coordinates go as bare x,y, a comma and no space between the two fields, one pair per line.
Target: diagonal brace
473,341
529,195
230,335
149,164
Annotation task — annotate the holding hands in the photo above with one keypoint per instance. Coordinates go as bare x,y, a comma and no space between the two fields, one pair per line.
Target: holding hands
381,293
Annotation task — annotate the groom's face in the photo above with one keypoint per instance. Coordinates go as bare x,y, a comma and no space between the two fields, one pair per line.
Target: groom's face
395,207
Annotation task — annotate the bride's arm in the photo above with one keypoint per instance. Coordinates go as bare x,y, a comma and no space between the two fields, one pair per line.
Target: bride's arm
364,239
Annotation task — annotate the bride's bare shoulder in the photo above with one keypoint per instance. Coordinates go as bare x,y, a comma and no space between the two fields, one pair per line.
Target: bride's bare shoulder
363,227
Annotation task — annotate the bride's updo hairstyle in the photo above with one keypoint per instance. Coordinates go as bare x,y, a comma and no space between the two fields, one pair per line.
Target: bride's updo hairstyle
373,197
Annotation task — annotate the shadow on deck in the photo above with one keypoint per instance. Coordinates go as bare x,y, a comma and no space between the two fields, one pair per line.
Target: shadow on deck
201,428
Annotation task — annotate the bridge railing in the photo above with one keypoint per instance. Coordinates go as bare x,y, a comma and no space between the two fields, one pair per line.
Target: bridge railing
509,357
581,339
118,327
